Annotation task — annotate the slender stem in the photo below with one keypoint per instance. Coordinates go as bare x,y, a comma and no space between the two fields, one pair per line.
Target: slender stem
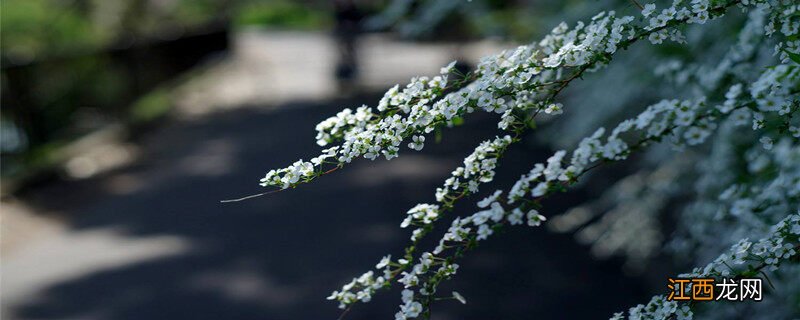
251,196
341,316
270,192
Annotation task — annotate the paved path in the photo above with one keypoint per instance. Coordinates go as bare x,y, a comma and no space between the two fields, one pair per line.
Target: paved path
150,240
269,68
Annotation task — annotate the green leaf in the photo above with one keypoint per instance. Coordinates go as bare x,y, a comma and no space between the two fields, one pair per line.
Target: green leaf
794,56
458,121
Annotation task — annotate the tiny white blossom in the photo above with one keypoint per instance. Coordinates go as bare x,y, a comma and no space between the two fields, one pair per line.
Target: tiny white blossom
515,217
535,219
554,109
766,142
417,143
484,231
384,262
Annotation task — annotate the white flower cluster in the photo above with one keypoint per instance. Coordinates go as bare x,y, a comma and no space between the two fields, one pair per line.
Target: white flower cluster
698,14
671,116
365,285
337,126
422,213
786,19
630,225
769,252
478,168
739,60
575,47
772,88
745,203
286,177
780,245
657,308
667,118
738,208
729,206
365,134
410,308
483,221
480,225
750,205
511,80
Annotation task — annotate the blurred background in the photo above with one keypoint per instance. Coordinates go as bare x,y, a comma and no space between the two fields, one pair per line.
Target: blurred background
125,122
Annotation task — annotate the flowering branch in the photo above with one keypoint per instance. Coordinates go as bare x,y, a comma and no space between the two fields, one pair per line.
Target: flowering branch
519,85
464,233
425,214
749,258
512,81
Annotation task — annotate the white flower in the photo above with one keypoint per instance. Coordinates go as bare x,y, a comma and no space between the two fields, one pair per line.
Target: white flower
485,100
657,37
412,309
480,218
740,117
695,135
515,217
416,234
539,190
484,231
447,69
384,262
795,131
417,143
535,219
490,199
407,295
758,120
408,279
426,259
554,109
648,9
496,213
766,142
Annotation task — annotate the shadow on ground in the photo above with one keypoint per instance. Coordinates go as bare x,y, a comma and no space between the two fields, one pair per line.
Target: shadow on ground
278,257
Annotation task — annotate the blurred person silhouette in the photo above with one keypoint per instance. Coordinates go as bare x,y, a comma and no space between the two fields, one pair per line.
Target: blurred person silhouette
346,31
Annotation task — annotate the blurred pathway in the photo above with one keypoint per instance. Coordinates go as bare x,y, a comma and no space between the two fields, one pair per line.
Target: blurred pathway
267,68
150,240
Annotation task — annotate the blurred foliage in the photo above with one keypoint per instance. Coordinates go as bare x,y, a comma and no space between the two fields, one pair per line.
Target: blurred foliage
35,29
151,106
516,23
76,65
32,27
284,14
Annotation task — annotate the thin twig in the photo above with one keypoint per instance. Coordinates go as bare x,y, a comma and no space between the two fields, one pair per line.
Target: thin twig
345,312
268,192
251,196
